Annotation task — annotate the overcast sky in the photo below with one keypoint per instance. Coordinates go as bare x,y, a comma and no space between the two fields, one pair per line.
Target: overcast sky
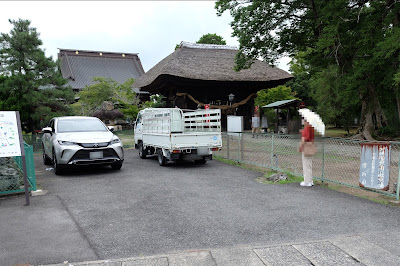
149,28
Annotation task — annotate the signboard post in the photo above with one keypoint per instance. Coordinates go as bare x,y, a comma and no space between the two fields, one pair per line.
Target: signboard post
12,143
374,165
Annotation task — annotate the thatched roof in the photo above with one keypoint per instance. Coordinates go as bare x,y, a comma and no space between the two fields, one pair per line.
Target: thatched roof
208,63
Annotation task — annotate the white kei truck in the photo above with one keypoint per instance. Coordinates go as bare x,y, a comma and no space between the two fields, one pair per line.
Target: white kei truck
175,134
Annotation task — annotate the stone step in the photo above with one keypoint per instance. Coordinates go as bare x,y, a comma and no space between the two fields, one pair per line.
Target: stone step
236,256
366,251
282,255
325,253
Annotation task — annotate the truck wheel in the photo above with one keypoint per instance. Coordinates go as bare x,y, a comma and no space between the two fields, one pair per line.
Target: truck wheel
161,158
142,152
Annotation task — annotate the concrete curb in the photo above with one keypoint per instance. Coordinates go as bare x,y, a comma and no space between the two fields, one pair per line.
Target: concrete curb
38,192
342,250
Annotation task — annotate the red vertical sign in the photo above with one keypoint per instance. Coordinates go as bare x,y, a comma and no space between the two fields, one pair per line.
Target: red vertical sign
207,107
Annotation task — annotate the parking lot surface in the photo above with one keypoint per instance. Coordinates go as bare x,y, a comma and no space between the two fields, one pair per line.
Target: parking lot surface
93,214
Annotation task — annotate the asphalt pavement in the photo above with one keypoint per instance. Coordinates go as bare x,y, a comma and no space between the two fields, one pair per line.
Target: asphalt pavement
188,214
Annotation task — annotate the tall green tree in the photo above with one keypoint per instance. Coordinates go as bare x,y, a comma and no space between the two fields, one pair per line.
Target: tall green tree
336,104
279,93
92,97
211,38
31,83
300,84
358,38
267,96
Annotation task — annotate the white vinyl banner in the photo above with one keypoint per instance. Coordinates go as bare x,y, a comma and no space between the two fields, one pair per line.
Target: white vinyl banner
9,139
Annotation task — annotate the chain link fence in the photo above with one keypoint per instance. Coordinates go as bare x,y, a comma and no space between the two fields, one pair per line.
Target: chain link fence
126,137
337,160
11,172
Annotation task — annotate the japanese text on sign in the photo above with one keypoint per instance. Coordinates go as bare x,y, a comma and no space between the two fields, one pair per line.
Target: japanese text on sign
374,165
9,139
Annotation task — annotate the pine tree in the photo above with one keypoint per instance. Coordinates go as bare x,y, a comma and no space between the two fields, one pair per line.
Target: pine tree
31,82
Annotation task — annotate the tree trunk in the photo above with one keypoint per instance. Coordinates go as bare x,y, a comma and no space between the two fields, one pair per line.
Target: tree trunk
398,103
370,109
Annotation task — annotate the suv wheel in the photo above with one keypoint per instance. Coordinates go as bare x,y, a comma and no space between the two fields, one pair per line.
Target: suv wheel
116,166
56,166
46,159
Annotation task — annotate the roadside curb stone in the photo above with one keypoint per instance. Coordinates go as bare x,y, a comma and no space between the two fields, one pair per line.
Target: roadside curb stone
38,192
344,250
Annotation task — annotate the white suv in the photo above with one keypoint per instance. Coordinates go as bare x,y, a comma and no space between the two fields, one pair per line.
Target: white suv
80,140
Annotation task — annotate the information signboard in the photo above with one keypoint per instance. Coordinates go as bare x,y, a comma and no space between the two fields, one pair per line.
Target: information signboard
9,138
374,165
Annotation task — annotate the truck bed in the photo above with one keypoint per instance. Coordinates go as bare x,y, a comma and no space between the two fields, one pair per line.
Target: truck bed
187,140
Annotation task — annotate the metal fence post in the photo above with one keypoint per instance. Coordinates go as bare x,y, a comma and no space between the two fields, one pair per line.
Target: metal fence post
323,160
240,146
227,146
272,152
398,181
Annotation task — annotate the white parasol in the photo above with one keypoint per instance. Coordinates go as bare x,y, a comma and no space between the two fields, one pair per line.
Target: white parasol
314,119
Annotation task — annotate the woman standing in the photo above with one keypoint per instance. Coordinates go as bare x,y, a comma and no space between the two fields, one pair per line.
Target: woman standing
307,150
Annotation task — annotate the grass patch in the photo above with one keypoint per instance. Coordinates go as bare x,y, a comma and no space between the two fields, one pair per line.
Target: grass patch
267,172
362,193
340,132
291,178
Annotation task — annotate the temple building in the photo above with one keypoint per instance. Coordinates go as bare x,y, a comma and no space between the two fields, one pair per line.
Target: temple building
198,74
80,67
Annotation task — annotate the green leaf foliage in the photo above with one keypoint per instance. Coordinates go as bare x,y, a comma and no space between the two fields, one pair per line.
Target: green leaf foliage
346,52
338,105
156,101
30,82
278,93
92,97
211,39
267,96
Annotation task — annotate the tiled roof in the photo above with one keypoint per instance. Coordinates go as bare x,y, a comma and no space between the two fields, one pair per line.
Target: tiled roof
80,67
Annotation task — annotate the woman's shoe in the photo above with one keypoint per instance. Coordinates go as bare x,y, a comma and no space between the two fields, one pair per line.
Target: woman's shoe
309,184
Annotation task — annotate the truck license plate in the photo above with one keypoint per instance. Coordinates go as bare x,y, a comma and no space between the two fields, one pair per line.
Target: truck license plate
96,155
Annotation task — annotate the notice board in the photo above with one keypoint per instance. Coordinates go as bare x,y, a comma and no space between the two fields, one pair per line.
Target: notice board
375,165
9,138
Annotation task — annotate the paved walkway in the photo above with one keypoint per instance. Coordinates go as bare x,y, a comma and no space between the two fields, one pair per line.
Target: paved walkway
187,214
379,248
